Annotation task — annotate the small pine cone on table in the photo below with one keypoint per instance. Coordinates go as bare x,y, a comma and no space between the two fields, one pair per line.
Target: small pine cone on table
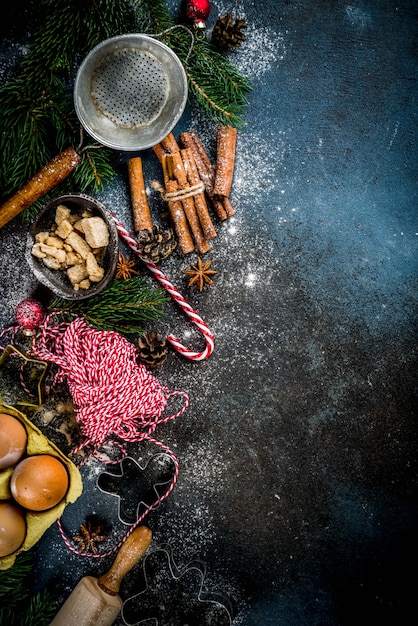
227,34
152,349
156,243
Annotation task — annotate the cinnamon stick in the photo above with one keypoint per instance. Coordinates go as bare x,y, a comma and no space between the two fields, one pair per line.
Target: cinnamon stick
229,209
160,152
219,208
202,152
43,181
225,160
205,168
179,220
177,214
175,207
199,199
176,168
170,144
140,208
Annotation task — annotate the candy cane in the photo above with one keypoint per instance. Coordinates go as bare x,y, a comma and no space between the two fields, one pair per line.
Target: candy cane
177,297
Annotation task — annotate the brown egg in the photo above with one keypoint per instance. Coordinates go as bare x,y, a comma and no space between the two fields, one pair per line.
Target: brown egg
13,440
39,482
12,528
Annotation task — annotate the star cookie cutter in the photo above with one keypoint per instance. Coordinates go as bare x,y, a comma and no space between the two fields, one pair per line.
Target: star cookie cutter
136,486
43,366
172,596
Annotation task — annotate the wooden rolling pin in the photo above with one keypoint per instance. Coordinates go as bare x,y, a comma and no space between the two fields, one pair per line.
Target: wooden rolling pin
95,601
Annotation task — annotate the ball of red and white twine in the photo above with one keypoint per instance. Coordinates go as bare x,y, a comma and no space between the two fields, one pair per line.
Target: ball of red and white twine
113,394
115,397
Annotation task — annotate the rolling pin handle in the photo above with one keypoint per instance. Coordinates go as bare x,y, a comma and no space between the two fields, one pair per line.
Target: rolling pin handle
132,550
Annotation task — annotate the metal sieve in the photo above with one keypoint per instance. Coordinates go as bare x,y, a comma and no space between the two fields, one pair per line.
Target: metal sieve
130,91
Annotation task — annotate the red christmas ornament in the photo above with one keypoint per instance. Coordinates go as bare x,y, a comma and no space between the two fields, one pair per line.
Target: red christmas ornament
29,315
196,11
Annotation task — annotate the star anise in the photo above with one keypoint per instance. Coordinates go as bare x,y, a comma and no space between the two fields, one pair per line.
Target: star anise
125,267
90,535
200,274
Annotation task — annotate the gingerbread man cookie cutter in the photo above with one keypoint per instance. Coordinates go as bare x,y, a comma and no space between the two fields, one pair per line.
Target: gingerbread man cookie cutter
173,596
137,486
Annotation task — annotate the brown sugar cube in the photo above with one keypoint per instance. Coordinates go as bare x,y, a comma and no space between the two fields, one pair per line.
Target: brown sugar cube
64,229
77,273
36,251
95,272
84,284
78,244
41,237
55,242
51,263
52,252
95,232
61,213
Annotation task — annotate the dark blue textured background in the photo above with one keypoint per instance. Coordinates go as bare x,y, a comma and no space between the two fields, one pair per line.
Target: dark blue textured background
298,454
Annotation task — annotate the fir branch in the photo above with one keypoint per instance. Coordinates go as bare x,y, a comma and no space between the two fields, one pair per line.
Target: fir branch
18,606
41,609
32,131
78,26
12,577
124,306
95,169
153,16
216,84
38,117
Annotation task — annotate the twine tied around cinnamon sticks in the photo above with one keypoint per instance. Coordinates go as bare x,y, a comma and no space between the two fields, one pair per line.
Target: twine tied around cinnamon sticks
181,194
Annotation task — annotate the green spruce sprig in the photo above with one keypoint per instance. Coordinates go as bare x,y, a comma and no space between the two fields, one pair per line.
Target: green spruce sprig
38,118
215,83
124,306
217,86
18,606
153,16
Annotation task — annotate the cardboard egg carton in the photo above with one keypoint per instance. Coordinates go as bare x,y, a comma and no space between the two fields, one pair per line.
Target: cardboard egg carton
37,522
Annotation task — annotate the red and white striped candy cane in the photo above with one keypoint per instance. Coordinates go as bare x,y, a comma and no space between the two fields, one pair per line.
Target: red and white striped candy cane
177,297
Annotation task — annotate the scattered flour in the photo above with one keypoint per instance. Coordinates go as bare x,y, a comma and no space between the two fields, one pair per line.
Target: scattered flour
247,266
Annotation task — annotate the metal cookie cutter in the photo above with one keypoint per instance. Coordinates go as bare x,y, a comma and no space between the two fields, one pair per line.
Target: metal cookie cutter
174,597
137,486
27,383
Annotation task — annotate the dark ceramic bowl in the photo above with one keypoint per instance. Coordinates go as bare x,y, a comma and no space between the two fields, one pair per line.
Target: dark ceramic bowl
57,280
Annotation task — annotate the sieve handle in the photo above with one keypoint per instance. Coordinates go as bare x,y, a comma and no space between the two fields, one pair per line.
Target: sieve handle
177,297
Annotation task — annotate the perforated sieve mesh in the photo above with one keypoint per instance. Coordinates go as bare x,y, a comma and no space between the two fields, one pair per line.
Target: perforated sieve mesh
130,87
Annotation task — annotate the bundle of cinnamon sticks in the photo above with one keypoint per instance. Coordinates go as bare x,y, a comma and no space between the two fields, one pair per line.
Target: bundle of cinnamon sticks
190,179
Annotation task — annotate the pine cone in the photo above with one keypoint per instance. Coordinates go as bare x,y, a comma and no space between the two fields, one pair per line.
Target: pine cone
227,34
156,243
152,350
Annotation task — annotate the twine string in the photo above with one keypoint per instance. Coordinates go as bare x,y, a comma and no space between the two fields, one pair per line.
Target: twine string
114,396
180,194
167,30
